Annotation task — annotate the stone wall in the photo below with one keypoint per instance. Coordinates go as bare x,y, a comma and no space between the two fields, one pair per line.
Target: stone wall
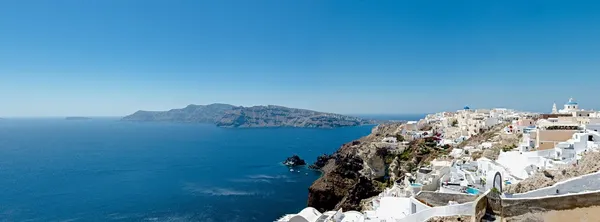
479,207
494,202
441,199
512,207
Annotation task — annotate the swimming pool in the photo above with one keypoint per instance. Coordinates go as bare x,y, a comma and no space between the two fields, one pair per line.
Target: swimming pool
471,190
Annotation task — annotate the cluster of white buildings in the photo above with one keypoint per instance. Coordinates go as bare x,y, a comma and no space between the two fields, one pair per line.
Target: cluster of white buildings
555,139
548,141
458,126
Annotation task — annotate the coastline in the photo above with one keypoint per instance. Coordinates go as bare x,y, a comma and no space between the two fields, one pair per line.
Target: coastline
322,193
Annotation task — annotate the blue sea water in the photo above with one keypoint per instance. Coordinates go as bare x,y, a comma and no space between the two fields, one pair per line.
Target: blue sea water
108,170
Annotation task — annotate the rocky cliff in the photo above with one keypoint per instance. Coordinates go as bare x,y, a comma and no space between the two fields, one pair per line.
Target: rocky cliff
279,116
349,175
191,113
225,115
363,168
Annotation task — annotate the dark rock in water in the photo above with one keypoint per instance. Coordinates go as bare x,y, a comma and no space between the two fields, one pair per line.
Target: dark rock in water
320,162
294,161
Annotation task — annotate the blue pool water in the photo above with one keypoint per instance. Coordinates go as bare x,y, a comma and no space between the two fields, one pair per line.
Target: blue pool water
108,170
471,190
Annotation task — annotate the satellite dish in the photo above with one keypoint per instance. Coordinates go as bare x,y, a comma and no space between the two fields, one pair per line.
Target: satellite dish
498,182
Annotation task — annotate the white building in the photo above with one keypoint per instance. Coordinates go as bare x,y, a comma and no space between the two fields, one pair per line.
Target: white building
569,107
310,214
593,125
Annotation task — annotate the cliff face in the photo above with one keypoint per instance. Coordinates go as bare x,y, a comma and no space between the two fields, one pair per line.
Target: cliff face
363,168
225,115
278,116
191,113
350,175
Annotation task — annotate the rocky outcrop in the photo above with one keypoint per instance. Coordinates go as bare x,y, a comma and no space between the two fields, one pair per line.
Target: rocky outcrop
363,168
225,115
341,176
320,162
349,174
294,161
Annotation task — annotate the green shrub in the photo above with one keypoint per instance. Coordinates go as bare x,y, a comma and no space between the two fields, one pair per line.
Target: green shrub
400,138
495,190
405,155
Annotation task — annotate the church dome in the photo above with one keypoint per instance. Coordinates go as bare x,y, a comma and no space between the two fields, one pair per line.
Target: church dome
466,107
571,102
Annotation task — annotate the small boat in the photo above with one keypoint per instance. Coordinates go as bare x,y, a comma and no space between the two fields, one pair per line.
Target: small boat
291,170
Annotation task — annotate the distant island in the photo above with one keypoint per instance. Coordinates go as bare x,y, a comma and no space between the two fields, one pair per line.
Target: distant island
225,115
77,118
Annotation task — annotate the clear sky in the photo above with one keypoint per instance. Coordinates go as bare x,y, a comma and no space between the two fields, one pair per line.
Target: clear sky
113,57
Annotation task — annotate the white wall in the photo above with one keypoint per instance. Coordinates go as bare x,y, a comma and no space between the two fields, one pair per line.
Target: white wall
417,206
593,127
459,209
589,182
489,122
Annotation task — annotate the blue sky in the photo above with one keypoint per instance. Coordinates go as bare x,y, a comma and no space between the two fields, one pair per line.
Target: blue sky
113,57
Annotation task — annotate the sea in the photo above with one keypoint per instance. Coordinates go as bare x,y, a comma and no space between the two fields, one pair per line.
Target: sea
104,169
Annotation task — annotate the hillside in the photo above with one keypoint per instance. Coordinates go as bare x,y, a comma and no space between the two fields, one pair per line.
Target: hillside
279,116
225,115
363,168
191,113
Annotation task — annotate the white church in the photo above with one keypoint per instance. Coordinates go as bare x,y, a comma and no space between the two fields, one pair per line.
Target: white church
569,108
